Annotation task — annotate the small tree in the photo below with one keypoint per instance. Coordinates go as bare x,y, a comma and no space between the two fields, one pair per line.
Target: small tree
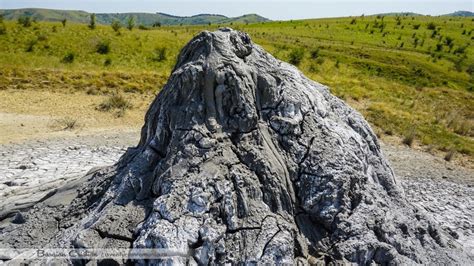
64,21
296,56
130,23
116,26
92,22
3,29
25,21
157,24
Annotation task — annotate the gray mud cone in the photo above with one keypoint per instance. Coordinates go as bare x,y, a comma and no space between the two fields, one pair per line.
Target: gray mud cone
244,159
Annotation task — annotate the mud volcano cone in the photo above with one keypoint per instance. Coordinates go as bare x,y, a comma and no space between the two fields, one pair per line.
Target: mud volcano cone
244,159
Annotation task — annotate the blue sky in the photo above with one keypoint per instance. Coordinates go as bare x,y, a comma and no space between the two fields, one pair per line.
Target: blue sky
275,10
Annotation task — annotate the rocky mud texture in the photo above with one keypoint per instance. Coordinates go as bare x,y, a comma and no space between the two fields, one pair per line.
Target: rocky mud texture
31,171
243,159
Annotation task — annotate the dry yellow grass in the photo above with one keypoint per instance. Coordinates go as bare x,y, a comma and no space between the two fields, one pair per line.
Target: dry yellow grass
29,114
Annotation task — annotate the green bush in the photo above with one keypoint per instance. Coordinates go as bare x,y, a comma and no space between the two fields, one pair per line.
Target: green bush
103,47
116,26
25,21
68,58
30,45
315,53
431,26
296,56
92,22
143,27
107,62
3,29
130,23
159,54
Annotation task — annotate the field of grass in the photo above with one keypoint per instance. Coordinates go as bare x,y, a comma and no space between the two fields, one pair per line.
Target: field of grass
411,77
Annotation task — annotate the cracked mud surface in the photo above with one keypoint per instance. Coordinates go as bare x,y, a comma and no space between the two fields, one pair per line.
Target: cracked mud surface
443,189
29,171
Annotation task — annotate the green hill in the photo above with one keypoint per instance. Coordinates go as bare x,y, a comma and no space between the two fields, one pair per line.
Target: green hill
461,14
146,19
400,14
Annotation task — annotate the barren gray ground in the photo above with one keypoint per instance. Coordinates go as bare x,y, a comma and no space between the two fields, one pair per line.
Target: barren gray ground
28,171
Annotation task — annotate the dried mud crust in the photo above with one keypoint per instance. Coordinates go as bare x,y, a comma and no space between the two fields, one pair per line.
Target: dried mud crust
31,171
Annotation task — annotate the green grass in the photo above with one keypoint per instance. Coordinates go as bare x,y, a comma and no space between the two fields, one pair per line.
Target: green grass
422,89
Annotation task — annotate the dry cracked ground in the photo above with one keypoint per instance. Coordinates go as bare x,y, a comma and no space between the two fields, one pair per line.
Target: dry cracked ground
31,170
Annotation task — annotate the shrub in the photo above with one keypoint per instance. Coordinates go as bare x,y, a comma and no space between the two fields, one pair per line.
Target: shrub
64,21
42,37
353,21
114,101
67,123
107,62
449,155
439,47
103,47
130,23
431,26
30,45
409,138
68,58
143,27
296,56
25,21
92,22
460,50
449,41
416,26
116,26
3,29
157,24
159,54
315,53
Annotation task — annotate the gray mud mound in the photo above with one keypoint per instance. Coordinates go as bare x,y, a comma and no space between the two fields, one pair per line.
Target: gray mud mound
243,159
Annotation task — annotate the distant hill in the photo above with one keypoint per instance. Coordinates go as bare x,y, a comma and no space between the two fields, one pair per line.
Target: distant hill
461,14
400,14
411,14
140,18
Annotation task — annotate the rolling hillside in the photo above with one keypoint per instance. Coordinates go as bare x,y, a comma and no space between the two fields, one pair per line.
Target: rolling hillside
461,14
411,76
146,19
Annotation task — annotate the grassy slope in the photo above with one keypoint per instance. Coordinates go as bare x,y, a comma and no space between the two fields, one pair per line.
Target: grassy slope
140,18
409,89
